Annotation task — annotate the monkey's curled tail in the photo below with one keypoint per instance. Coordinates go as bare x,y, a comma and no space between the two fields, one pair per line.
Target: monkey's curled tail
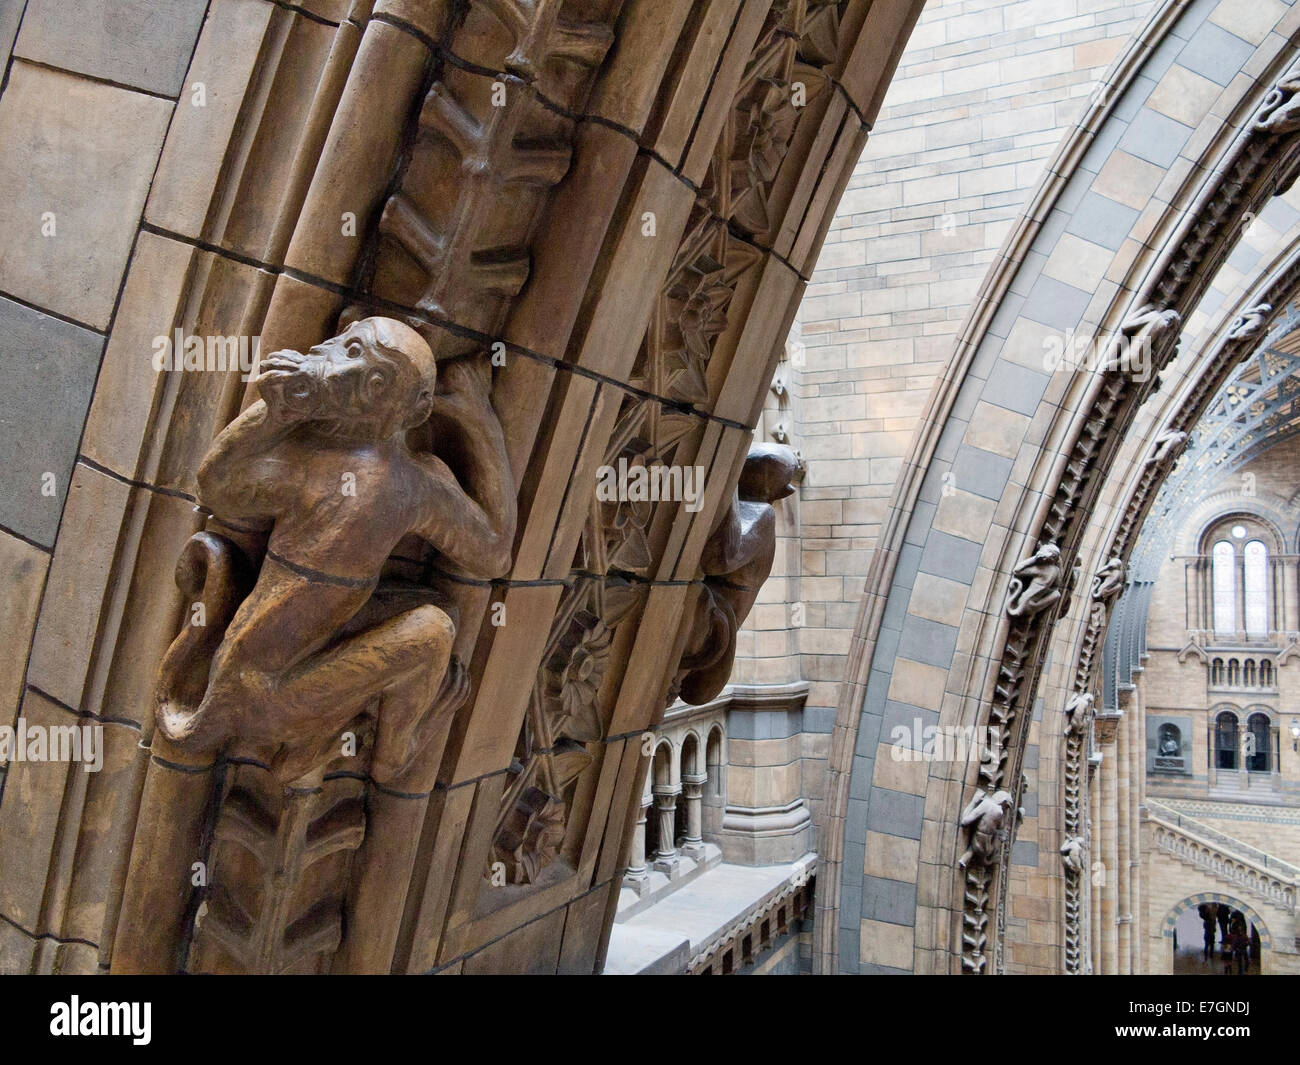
216,577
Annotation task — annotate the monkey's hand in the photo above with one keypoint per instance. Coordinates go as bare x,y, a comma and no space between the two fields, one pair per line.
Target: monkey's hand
290,391
466,389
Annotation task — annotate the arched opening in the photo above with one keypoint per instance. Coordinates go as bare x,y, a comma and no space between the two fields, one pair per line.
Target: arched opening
1216,673
1237,551
1259,743
1234,673
713,763
1225,740
690,756
1211,934
1255,582
663,764
1223,564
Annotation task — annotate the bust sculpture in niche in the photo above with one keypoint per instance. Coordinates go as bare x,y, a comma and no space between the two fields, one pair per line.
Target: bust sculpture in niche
1170,740
322,458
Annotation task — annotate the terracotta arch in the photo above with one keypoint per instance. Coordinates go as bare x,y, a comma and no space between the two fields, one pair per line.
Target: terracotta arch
644,148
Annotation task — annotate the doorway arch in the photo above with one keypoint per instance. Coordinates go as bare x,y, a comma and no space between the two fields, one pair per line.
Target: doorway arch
1253,921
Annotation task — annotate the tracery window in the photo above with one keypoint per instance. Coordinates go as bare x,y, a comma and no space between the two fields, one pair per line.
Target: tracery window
1238,593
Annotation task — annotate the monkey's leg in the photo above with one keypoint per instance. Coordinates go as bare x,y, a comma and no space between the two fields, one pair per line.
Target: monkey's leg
403,657
399,760
411,713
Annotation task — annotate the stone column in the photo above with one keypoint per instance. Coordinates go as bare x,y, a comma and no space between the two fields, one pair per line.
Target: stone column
1094,854
666,860
1137,797
693,793
637,876
1123,818
1105,726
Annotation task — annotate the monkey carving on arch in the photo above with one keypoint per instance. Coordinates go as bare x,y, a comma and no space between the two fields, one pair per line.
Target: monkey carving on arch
323,459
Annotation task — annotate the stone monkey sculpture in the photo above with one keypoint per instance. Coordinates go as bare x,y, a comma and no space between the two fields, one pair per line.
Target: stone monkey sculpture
1072,853
1109,579
1168,447
1035,582
1280,111
323,459
736,561
1250,323
1141,341
1079,713
983,817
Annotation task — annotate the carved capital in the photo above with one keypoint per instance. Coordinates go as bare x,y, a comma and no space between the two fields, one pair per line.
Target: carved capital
1105,726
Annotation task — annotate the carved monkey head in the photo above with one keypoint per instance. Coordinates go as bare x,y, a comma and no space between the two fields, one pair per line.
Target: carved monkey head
768,473
374,379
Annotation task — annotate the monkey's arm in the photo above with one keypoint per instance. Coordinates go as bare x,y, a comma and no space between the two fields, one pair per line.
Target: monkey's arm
470,521
240,476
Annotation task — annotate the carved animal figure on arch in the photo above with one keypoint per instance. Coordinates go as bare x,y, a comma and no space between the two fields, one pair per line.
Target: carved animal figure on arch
1035,582
736,561
983,818
323,457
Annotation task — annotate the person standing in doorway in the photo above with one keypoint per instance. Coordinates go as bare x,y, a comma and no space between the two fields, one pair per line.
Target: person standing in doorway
1206,912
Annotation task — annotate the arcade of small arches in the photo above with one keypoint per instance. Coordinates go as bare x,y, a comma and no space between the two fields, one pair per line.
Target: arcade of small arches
681,808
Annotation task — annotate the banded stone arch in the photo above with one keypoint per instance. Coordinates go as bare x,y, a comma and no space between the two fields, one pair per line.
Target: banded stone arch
1032,448
1171,919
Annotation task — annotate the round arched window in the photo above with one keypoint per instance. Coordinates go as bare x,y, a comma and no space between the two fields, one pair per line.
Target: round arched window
1238,590
1225,740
